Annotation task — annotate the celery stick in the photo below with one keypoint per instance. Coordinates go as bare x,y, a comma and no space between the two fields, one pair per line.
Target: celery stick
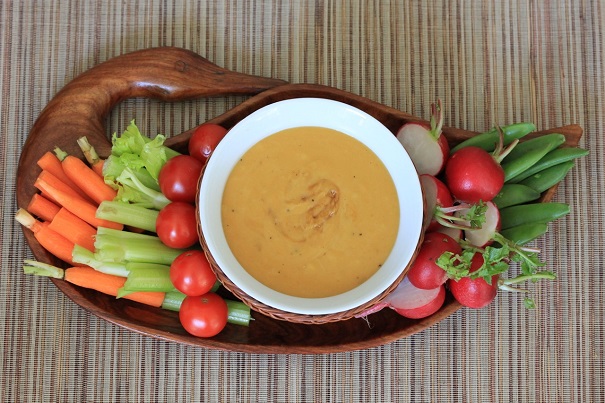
148,277
238,313
124,234
84,256
42,269
102,240
128,214
173,300
152,250
113,167
135,192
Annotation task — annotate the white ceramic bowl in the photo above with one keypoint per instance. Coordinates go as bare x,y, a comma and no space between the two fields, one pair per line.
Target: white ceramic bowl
323,113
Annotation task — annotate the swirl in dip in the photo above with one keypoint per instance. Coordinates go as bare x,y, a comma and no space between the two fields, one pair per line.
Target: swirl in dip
310,212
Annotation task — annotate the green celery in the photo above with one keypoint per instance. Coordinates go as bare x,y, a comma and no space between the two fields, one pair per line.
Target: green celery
134,166
123,235
152,153
42,269
128,214
114,166
84,256
148,277
173,300
133,191
238,313
152,250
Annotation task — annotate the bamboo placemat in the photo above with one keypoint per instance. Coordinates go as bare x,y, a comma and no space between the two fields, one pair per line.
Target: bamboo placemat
490,63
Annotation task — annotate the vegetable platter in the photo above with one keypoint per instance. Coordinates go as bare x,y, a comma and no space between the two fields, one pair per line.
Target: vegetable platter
173,74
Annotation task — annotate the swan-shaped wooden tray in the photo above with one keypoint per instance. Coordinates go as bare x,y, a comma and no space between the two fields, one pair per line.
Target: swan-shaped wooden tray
172,74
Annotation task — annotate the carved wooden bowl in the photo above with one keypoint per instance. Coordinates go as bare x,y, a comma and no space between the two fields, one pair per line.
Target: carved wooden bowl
172,74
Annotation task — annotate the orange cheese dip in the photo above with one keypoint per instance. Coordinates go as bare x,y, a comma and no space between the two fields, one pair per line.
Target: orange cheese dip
310,212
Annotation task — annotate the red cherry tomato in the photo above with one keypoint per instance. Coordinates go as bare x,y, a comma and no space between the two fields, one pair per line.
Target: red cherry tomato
176,225
204,316
191,274
204,140
179,177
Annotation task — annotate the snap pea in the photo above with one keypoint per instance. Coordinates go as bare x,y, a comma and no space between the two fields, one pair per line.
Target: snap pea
548,177
514,194
528,153
489,139
553,158
537,143
522,234
532,213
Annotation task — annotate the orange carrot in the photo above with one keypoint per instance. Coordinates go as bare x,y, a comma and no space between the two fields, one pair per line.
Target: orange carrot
88,277
74,228
77,206
85,178
62,186
96,162
50,240
49,162
43,208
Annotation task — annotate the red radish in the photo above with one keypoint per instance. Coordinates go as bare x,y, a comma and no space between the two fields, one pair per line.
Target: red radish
437,196
455,233
473,175
474,293
408,298
484,236
424,272
424,143
425,310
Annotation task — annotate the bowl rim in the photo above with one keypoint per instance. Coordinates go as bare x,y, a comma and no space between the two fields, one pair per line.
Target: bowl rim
299,112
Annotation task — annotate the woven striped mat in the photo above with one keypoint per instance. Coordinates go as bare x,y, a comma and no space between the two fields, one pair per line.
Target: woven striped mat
490,62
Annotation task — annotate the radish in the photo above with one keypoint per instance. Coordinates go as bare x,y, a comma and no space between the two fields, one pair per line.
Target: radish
472,174
424,143
437,196
483,236
455,233
474,292
427,309
409,300
424,272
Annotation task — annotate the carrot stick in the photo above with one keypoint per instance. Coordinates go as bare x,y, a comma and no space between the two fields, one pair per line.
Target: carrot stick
74,228
57,183
50,240
96,162
77,206
43,208
49,162
85,178
88,277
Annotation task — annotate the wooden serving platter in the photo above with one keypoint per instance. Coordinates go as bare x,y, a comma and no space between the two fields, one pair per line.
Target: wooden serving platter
173,74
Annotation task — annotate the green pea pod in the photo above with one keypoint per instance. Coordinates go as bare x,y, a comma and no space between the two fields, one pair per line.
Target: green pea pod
554,157
548,177
527,154
526,233
489,139
550,141
532,213
514,194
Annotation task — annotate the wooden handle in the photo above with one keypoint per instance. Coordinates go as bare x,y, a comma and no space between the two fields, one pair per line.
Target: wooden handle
167,74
